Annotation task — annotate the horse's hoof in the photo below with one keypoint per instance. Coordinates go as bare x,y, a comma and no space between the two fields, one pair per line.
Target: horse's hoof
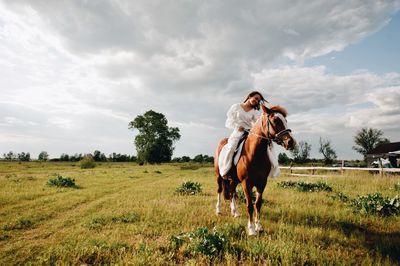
236,214
259,228
218,212
252,232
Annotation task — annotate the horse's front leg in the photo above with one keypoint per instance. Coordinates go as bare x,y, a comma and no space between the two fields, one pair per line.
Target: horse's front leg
258,209
250,208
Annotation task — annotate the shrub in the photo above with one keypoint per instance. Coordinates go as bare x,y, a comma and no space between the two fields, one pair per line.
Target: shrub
87,162
319,186
201,241
376,204
305,186
60,181
189,188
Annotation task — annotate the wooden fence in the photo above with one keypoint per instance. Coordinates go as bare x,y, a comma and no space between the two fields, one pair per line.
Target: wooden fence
342,169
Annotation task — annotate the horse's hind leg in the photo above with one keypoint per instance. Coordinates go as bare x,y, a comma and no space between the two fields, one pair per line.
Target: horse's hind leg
234,211
219,197
250,208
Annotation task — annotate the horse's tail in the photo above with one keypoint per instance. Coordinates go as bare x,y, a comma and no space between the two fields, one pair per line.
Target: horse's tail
226,189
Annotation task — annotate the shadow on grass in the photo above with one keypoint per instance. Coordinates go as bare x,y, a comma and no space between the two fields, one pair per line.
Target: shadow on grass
386,244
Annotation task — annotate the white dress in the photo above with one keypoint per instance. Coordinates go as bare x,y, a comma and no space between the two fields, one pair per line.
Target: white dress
236,117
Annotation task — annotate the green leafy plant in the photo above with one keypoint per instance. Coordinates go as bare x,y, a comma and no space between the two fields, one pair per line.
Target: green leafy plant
376,204
60,181
189,188
201,241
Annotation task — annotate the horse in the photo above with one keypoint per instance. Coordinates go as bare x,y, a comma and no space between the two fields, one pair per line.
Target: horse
254,165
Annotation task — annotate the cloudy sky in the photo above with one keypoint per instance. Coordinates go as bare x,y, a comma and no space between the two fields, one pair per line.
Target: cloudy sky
74,73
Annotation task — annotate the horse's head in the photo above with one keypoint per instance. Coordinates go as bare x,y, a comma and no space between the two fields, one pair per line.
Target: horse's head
276,126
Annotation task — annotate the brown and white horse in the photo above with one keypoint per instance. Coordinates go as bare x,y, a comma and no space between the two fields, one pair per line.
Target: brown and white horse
254,164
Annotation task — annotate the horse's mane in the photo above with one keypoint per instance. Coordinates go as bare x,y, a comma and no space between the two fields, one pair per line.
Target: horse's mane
279,109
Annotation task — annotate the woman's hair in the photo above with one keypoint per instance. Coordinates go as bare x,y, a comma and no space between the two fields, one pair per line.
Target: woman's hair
251,94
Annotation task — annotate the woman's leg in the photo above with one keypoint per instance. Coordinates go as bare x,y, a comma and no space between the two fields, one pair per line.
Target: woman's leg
226,155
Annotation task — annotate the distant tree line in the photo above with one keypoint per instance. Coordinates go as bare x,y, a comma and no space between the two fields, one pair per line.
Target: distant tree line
200,158
153,150
366,139
98,156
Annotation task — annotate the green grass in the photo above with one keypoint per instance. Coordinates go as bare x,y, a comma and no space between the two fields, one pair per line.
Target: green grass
123,213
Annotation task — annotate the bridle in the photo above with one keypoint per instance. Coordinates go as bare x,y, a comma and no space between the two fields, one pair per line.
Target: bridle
278,138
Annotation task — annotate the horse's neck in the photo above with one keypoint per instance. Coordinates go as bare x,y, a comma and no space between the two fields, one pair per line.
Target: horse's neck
255,139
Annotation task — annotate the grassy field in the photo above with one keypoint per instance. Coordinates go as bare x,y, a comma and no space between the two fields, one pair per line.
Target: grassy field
122,213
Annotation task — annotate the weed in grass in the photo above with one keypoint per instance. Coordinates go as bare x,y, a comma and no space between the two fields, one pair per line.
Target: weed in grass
340,196
233,231
190,167
19,225
287,184
99,252
97,223
60,181
158,172
4,237
189,188
397,187
376,204
126,218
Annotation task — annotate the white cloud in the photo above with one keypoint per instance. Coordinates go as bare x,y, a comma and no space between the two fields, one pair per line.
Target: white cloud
73,69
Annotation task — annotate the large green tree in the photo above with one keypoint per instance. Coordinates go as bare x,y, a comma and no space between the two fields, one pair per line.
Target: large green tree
367,139
301,152
327,151
154,143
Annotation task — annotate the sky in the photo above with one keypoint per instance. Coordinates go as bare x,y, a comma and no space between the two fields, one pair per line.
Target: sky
73,74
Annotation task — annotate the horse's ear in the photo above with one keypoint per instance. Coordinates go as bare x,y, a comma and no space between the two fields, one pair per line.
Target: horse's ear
265,109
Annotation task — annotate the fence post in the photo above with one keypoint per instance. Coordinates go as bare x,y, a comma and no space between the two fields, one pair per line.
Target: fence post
291,171
381,167
342,169
313,169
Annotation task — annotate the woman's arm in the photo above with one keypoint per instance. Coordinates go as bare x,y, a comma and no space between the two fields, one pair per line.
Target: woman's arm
232,116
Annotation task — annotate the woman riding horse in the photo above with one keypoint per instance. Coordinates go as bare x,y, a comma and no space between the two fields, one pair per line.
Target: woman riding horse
256,158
